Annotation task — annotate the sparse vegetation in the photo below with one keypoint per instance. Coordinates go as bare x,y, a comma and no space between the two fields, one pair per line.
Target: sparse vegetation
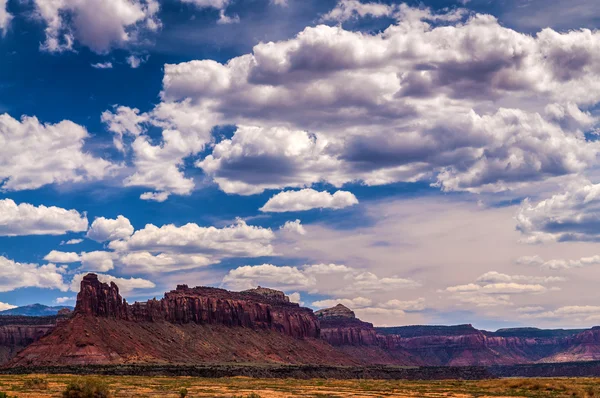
71,386
36,383
86,388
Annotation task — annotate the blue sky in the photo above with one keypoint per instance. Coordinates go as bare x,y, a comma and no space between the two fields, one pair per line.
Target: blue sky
420,162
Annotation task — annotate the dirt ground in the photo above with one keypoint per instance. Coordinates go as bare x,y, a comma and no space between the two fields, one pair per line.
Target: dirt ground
239,387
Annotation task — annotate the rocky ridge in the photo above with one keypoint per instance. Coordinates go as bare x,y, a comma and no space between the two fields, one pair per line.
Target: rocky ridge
256,308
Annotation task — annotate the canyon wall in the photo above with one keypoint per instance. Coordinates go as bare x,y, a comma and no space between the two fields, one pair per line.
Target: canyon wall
17,332
257,308
460,345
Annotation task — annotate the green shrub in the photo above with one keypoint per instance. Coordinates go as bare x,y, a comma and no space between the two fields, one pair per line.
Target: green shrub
86,388
37,383
183,392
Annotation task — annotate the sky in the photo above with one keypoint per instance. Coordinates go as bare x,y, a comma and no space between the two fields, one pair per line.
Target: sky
431,162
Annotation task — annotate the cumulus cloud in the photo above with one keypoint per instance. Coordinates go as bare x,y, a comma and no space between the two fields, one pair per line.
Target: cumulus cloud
226,20
26,219
560,264
72,242
63,300
5,18
15,275
155,196
240,239
497,277
62,257
568,216
98,24
330,279
148,263
104,229
135,61
126,285
295,298
5,306
90,261
33,154
348,9
155,250
218,4
160,165
308,199
294,227
418,101
495,288
102,65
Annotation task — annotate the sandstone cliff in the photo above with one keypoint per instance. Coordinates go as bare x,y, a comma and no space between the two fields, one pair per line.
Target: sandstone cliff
17,332
339,326
460,345
257,308
186,326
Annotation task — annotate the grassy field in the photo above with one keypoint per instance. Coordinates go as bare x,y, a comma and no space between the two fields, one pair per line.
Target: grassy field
125,386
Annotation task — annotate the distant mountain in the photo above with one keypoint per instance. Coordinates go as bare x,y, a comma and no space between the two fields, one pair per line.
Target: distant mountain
35,310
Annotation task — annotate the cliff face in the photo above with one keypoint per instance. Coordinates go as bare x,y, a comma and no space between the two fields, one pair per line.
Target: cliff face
17,332
187,326
258,308
460,345
339,326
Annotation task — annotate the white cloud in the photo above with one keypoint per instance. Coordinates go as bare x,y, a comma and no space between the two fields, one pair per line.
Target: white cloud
5,18
238,240
568,216
56,256
124,121
159,165
5,306
218,4
14,275
470,104
308,199
145,262
64,300
126,285
90,261
330,279
27,219
559,264
349,9
295,298
33,154
497,277
226,20
100,261
496,289
155,196
98,24
248,277
72,242
282,3
105,229
135,61
103,65
294,227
